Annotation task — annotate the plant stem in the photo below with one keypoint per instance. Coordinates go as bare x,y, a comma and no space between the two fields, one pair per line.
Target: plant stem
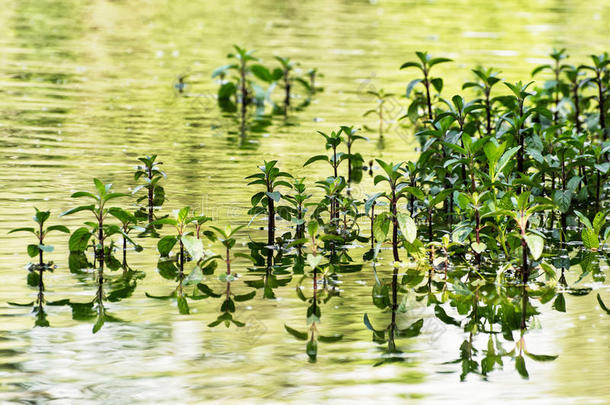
428,99
270,227
394,227
151,191
602,106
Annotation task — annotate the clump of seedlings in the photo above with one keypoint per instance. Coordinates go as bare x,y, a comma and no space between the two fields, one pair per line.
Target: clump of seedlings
188,247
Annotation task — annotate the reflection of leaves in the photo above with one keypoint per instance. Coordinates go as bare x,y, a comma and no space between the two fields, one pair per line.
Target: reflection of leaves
312,349
442,315
540,357
296,333
413,330
602,305
520,366
560,303
183,306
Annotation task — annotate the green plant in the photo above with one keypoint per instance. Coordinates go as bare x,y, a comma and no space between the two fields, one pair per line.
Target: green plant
155,194
264,201
425,64
100,229
174,267
35,271
601,71
129,222
487,79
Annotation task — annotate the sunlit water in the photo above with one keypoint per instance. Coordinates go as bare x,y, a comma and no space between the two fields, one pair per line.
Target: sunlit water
88,86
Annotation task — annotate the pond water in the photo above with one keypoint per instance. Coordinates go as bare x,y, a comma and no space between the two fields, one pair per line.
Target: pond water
88,86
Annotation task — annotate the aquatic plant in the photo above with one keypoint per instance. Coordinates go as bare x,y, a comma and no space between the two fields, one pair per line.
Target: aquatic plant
36,270
155,193
425,64
190,249
264,201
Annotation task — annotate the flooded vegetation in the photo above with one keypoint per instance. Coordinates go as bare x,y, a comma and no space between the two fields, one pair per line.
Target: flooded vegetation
310,216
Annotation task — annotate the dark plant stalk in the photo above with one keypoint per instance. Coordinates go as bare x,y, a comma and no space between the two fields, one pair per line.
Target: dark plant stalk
391,344
124,252
372,226
576,106
40,253
563,215
428,99
244,96
228,261
270,226
151,191
524,267
394,227
381,119
287,87
181,265
556,112
602,106
488,109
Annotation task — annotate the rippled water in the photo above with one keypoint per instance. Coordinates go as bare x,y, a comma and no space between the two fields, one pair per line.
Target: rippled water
88,86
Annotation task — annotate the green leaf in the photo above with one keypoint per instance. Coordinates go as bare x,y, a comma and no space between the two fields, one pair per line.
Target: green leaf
590,239
79,194
46,248
33,279
315,159
59,228
296,333
275,196
78,209
381,227
506,158
31,230
478,247
33,250
313,261
194,277
79,240
193,246
166,244
536,245
562,200
407,226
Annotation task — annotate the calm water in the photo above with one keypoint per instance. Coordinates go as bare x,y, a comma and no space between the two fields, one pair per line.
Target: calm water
88,86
